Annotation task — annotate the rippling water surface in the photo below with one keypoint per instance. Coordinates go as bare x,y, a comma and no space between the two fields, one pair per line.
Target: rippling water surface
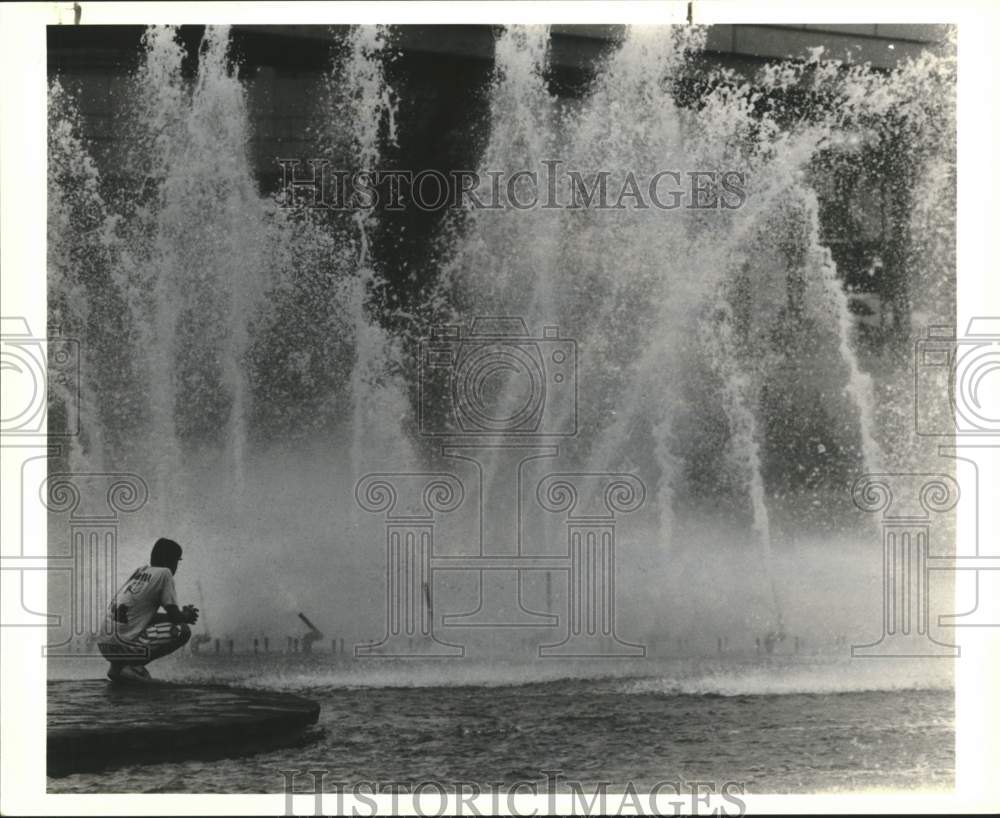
780,724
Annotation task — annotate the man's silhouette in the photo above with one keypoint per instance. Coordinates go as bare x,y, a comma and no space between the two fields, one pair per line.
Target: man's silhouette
141,632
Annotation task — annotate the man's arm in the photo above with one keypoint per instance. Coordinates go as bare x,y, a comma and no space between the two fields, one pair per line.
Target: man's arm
187,615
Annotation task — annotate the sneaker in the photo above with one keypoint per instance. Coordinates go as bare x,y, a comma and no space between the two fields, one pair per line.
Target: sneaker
134,673
115,673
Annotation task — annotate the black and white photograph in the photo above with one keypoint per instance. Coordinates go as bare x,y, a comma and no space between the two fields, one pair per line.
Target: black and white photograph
500,408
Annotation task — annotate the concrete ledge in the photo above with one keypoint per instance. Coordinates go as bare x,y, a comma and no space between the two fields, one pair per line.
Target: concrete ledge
95,725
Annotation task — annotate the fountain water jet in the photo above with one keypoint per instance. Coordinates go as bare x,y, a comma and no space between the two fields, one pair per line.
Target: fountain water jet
246,321
200,226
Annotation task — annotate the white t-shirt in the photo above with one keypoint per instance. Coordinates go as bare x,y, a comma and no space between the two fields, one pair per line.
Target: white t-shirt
138,600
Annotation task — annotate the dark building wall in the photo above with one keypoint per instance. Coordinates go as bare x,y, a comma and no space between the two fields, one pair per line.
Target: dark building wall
283,66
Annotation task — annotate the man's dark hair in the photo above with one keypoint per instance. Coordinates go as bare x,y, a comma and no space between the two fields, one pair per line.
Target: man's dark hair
165,553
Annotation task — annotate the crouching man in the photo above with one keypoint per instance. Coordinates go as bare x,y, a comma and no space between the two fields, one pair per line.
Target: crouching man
141,632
